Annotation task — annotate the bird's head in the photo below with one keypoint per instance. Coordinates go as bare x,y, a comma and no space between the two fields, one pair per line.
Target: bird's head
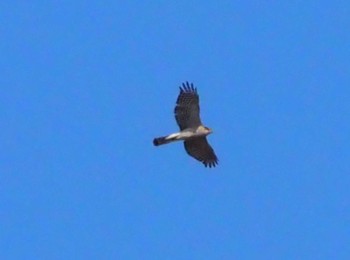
208,130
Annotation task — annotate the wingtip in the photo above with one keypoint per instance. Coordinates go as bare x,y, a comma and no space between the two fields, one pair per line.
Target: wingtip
188,87
211,164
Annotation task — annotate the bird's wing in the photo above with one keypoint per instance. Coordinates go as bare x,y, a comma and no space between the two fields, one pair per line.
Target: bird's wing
200,149
187,107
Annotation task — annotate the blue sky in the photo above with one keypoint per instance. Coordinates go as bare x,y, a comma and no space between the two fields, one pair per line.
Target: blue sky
87,85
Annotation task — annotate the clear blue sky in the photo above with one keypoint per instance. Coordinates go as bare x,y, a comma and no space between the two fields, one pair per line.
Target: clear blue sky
87,85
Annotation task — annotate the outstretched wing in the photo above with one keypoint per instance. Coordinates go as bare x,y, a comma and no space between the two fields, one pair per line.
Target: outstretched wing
187,107
200,149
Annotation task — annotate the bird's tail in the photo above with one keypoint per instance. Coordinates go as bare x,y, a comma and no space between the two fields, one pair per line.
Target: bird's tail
165,139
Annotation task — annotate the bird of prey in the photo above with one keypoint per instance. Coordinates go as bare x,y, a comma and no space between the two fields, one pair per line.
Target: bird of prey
192,132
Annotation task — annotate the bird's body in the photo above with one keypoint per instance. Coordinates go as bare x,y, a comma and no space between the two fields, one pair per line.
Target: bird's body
186,134
192,132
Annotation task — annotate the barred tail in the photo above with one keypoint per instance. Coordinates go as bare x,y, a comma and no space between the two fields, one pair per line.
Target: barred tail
160,140
166,139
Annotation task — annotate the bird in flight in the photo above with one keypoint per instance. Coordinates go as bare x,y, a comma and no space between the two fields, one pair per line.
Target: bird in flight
192,132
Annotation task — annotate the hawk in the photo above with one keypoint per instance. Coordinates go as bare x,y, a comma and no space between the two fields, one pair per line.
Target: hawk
192,132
